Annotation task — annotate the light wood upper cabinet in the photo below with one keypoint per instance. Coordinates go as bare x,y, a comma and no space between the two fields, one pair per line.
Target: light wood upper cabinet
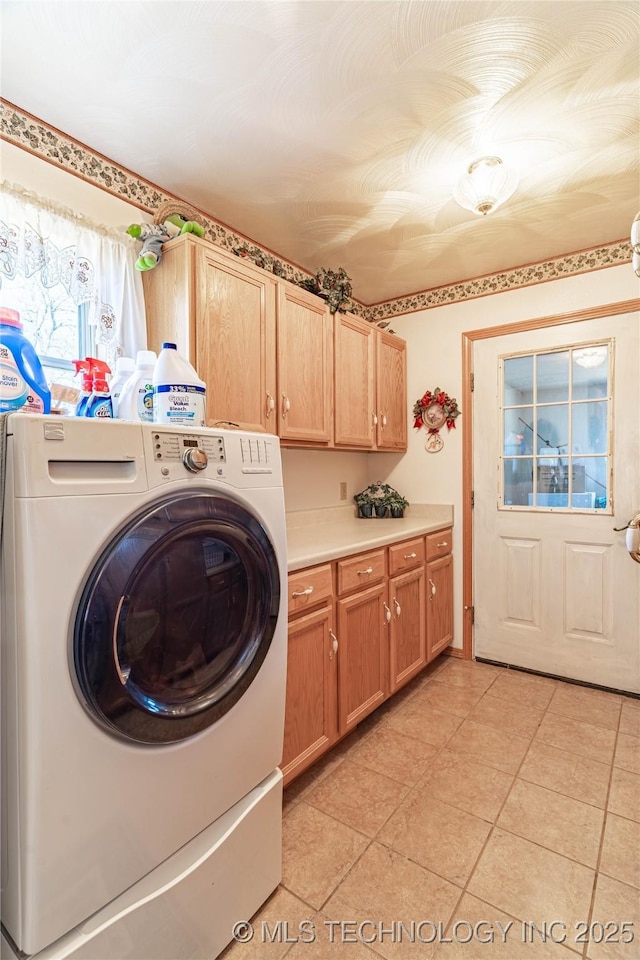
354,381
305,364
391,381
221,312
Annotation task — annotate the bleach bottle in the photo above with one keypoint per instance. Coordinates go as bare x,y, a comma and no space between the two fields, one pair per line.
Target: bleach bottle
179,395
22,382
99,403
136,399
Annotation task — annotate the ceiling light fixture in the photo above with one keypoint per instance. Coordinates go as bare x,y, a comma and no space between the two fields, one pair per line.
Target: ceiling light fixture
485,186
590,356
635,244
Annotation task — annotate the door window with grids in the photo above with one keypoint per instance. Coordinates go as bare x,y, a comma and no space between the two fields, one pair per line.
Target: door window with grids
556,415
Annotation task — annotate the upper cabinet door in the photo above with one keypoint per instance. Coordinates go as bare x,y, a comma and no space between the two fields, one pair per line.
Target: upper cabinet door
391,377
305,361
354,353
235,338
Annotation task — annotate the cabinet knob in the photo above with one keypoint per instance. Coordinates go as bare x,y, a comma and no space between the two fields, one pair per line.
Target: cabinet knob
433,589
286,406
409,556
398,609
334,645
383,420
303,593
374,419
443,543
270,404
387,614
365,573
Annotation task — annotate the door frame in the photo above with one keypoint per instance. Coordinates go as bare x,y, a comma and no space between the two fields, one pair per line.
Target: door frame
468,339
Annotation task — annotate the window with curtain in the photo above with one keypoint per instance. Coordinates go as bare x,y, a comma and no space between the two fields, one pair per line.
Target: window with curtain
73,281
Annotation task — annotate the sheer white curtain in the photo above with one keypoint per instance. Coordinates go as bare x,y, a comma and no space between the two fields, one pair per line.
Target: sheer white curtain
94,264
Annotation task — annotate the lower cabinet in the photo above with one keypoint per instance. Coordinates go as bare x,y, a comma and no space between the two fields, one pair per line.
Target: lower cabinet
440,605
407,627
363,669
310,726
359,629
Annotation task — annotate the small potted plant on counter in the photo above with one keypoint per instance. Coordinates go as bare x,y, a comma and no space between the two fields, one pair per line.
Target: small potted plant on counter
396,503
364,504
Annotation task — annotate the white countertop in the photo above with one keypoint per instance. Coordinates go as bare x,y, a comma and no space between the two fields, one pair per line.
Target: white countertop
316,536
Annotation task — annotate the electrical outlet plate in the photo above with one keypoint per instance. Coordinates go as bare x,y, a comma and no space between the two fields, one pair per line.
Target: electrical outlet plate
343,491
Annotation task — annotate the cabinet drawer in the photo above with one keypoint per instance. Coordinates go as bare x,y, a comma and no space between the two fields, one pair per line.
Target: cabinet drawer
307,588
406,555
439,544
359,572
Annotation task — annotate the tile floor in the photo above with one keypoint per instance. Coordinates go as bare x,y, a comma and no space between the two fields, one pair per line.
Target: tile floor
476,802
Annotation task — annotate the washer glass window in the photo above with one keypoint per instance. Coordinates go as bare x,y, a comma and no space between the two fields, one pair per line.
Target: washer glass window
176,618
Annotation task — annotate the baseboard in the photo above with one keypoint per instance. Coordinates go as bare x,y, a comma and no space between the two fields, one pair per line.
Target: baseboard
453,652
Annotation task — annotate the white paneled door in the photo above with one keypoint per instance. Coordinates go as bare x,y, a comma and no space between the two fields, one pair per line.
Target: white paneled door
556,467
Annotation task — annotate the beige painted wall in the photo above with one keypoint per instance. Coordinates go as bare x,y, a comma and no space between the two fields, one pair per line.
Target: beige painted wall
312,477
434,358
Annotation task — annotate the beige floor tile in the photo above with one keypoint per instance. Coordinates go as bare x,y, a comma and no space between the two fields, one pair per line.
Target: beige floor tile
460,781
436,835
469,674
567,826
425,722
624,796
524,688
388,889
615,904
496,748
575,736
477,930
621,850
628,753
591,706
531,883
567,773
402,758
317,851
358,797
449,697
505,715
630,717
280,918
327,941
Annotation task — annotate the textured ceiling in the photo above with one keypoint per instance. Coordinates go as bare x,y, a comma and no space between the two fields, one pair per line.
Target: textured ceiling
332,132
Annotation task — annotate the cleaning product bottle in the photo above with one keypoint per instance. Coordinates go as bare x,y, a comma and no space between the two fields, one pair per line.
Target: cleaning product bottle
136,398
124,368
86,368
99,403
178,392
22,382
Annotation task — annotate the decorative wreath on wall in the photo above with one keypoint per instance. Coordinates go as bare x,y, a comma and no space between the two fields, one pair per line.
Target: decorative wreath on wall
434,409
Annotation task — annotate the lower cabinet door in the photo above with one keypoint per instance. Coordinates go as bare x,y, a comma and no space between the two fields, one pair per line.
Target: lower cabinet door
363,665
439,592
407,627
311,716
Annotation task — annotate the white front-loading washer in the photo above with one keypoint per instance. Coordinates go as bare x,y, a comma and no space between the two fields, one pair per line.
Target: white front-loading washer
143,686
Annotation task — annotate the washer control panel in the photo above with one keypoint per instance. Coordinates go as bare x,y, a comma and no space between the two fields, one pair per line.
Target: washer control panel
195,450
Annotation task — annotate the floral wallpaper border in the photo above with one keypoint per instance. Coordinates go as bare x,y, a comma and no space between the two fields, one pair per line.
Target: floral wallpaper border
26,131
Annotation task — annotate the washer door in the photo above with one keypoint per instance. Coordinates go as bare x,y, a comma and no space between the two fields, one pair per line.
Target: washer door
176,618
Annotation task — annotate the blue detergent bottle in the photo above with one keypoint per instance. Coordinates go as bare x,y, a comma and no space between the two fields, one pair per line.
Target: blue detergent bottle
22,381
